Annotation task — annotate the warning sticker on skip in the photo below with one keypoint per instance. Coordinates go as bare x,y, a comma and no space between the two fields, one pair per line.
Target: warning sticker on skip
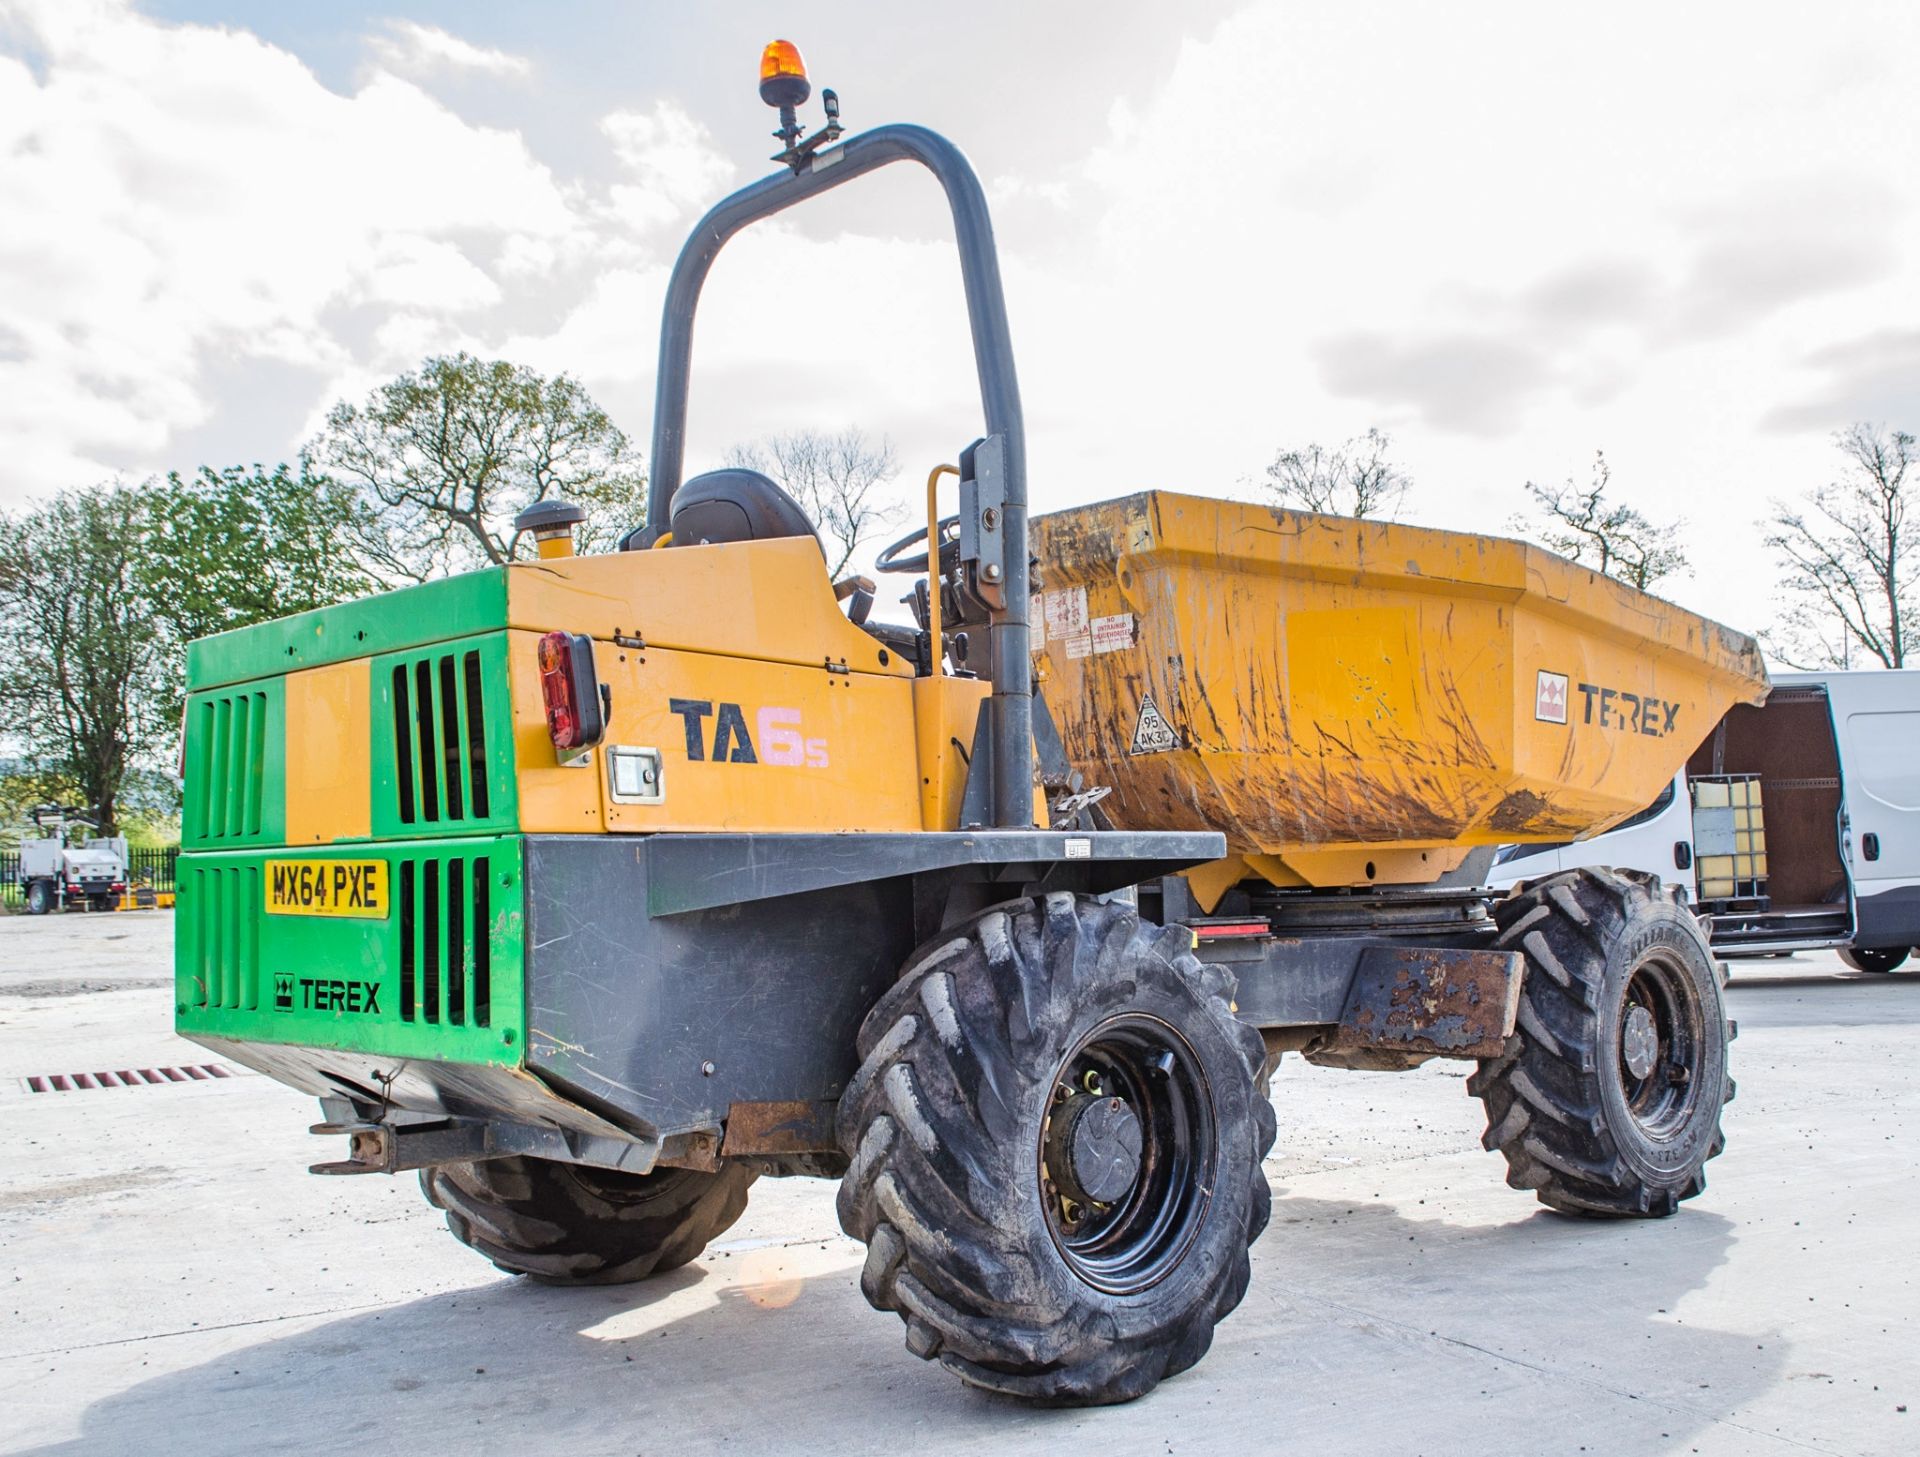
1110,634
1152,734
1064,613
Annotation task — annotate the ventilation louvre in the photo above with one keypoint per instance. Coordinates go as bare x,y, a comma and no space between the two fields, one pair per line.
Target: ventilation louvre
231,730
439,739
223,921
445,958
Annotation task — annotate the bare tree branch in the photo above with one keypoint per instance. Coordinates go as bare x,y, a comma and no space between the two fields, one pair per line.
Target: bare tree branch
1582,525
1847,576
1355,480
838,478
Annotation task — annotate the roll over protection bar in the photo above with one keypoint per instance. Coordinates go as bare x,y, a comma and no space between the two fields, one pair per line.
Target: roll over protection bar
1010,709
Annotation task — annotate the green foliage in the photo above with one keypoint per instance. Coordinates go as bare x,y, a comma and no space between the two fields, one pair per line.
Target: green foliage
102,589
232,547
229,548
83,682
25,787
445,456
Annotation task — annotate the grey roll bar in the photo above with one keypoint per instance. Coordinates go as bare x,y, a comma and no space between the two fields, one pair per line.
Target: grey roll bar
1010,710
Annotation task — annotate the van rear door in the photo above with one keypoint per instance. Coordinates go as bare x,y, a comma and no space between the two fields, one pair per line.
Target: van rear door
1880,729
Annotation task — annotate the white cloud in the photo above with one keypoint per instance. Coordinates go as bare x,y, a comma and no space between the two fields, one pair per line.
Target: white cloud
1508,235
671,168
179,193
409,48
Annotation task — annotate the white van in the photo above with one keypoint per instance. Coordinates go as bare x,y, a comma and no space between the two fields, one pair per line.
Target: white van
1795,826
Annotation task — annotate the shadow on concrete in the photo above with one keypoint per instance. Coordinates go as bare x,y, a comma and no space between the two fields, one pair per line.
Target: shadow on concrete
1354,1306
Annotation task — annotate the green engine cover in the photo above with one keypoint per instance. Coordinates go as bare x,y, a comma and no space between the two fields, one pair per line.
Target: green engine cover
409,950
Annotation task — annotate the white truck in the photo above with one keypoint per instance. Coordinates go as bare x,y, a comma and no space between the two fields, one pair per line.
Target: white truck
1794,826
59,870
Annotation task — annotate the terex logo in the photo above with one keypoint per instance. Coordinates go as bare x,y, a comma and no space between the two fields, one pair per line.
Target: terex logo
326,994
283,994
1615,708
781,740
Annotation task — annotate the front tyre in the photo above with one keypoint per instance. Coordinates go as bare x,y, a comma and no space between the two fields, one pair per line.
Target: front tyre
567,1224
1875,958
1054,1144
39,898
1606,1099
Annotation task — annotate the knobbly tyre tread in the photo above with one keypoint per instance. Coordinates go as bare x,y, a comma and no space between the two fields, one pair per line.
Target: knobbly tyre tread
566,1224
1545,1107
939,1126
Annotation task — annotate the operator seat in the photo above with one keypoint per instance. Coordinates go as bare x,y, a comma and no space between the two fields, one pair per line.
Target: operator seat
734,504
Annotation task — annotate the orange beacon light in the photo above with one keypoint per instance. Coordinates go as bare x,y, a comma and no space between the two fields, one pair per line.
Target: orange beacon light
783,75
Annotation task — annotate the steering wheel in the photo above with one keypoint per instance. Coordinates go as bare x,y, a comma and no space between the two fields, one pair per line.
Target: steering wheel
890,560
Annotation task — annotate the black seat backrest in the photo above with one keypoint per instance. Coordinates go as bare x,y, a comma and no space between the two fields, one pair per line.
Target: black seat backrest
736,504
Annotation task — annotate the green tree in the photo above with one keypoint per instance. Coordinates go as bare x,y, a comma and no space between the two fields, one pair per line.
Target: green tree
23,788
228,548
1582,525
1850,579
445,456
83,677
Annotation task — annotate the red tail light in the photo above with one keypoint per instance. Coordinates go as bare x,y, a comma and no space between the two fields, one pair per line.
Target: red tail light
571,689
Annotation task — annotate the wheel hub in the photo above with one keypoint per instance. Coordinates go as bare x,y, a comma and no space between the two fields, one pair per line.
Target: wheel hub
1639,1041
1095,1148
1127,1153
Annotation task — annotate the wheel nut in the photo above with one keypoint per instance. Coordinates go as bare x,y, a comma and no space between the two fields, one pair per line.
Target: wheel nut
1639,1041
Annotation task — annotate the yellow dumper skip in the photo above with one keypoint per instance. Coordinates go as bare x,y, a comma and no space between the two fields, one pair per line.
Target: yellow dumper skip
1356,702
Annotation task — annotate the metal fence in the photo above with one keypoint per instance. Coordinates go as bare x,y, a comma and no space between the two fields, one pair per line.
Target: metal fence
153,867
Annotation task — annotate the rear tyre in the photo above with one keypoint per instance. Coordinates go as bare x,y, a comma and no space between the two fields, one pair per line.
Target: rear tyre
1054,1144
1606,1100
1862,958
39,898
566,1224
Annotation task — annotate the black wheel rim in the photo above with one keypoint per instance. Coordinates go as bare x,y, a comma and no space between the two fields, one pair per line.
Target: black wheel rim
1659,1044
1140,1237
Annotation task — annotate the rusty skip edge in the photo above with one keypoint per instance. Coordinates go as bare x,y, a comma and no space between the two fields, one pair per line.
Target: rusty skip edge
777,1129
1442,1002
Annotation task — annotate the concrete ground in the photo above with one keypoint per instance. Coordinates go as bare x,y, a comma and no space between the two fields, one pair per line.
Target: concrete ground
172,1280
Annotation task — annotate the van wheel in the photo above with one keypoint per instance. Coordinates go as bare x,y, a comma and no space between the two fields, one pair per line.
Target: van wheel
567,1224
1876,958
39,898
1606,1099
1054,1145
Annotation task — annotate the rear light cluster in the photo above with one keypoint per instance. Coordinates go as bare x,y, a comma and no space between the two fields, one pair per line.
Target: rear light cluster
575,702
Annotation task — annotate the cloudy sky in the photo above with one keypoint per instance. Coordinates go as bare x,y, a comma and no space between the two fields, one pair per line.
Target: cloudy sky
1509,235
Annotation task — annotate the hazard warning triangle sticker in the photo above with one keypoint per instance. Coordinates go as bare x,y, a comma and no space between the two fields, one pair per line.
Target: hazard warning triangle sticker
1153,734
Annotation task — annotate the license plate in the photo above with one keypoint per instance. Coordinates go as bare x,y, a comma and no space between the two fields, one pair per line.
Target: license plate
327,888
